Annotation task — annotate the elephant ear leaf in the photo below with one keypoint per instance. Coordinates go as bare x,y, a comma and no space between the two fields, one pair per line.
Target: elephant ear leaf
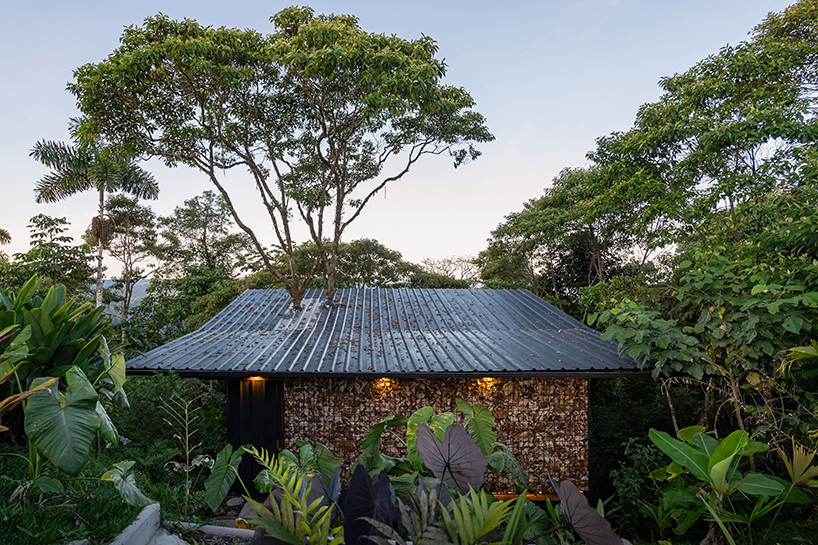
479,422
63,427
106,426
122,477
330,490
586,520
457,461
222,476
367,497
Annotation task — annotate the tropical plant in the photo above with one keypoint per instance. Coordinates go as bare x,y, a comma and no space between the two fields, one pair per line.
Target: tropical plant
300,513
10,361
64,334
223,474
90,164
406,472
715,464
181,416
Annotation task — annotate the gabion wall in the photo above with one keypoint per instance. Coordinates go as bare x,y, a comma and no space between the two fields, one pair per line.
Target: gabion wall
543,421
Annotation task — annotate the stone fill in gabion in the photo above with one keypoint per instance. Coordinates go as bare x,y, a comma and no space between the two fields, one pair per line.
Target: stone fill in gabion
544,421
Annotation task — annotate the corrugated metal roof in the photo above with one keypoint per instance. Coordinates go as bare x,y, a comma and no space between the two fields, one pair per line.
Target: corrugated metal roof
388,332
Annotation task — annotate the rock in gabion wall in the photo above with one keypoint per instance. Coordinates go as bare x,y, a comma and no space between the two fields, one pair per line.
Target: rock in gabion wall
544,422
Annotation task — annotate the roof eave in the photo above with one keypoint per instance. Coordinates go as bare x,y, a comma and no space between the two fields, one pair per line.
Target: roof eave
608,373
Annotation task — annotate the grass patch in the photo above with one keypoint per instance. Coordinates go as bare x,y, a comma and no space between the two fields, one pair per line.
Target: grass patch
88,508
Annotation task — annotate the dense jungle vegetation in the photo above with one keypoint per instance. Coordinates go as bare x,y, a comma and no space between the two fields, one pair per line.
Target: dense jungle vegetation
690,240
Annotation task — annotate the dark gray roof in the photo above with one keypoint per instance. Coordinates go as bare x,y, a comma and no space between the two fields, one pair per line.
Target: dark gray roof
421,332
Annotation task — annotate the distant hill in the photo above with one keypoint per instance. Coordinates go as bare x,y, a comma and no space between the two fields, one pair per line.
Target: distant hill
139,290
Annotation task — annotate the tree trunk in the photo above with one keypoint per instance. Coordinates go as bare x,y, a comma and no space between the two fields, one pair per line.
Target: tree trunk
714,536
332,270
99,247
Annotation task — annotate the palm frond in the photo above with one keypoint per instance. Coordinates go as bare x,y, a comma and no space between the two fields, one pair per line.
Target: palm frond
60,185
473,518
140,183
60,156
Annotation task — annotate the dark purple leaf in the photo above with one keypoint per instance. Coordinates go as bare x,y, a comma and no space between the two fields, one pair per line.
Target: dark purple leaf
587,522
371,497
457,461
330,490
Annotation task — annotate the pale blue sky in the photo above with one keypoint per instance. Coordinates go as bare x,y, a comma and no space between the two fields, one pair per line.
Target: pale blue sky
550,77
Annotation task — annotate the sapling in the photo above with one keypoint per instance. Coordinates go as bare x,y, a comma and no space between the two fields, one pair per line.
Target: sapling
181,416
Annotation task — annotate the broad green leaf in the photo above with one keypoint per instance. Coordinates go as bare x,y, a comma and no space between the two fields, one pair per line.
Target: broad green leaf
759,288
48,485
758,484
706,443
422,415
122,477
681,453
325,462
753,447
120,400
688,434
479,422
117,371
25,293
659,474
792,324
222,476
502,461
718,475
729,447
372,438
106,427
439,422
63,430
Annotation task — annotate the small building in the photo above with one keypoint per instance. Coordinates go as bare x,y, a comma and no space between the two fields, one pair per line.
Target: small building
329,371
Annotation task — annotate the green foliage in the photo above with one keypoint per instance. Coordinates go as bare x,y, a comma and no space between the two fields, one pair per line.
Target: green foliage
479,422
427,280
425,415
86,508
722,486
420,516
131,243
122,477
52,257
197,237
298,517
90,164
635,493
558,244
145,424
222,476
376,96
63,426
181,415
63,335
474,517
317,460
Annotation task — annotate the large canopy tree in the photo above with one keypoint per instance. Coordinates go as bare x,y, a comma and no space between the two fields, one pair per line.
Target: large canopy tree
90,164
321,116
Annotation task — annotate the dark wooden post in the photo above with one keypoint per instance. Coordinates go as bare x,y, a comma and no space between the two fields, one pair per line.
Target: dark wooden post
255,416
